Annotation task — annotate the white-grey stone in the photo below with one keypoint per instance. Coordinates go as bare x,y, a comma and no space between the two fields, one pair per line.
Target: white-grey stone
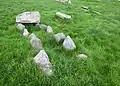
63,15
42,60
82,56
25,33
59,37
35,42
68,43
28,17
85,7
43,26
64,1
20,27
49,29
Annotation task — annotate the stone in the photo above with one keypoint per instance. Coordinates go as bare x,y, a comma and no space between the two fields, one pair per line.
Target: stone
43,26
85,8
20,27
68,43
64,1
28,17
42,60
63,15
25,33
35,42
59,37
49,29
82,56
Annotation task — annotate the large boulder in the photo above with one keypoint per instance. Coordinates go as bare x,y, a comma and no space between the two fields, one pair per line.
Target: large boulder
68,43
28,17
42,60
20,27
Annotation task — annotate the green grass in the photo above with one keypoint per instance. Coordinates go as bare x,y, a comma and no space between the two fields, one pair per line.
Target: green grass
96,35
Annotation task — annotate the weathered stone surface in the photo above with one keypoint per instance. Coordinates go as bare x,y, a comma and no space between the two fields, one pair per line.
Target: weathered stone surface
35,42
82,56
42,60
63,16
59,37
28,17
20,27
64,1
25,33
68,43
43,26
49,29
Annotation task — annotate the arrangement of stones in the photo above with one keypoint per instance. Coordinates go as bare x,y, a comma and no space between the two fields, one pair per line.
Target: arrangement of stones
42,59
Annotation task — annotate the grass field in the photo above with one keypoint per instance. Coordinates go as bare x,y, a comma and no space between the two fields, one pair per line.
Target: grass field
96,35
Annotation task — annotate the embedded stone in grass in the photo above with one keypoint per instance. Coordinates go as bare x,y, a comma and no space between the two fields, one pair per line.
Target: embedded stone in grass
43,26
68,43
59,37
85,8
49,29
25,33
82,56
42,60
64,1
63,15
35,42
28,17
20,27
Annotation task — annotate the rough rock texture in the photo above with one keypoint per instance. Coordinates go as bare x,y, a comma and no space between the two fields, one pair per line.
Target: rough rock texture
59,37
20,27
63,16
25,33
68,43
49,29
35,42
43,26
42,60
64,1
82,56
28,17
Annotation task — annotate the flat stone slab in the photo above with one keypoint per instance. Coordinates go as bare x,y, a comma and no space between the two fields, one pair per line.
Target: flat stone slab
63,15
28,17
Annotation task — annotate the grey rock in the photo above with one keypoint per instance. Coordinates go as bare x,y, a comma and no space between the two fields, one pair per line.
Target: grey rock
68,43
64,1
28,17
20,27
35,42
42,60
43,26
25,33
59,37
82,56
63,15
49,29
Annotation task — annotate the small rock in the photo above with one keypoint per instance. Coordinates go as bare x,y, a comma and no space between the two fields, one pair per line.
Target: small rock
49,29
43,26
59,37
28,17
25,33
35,42
82,56
63,16
42,60
64,1
85,7
20,27
68,43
